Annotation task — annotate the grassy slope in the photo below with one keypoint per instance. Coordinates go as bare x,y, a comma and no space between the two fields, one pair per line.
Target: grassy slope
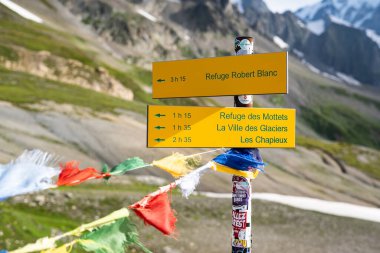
350,154
16,31
21,89
20,224
341,123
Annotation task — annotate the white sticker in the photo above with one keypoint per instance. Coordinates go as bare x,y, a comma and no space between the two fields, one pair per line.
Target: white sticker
245,99
241,234
246,47
245,44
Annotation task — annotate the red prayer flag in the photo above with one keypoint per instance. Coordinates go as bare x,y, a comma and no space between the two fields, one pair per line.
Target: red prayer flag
155,210
72,175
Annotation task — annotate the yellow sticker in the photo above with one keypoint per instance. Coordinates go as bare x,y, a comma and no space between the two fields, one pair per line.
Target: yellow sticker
192,126
221,76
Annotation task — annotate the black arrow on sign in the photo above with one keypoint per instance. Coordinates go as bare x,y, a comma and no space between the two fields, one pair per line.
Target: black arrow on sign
159,140
161,80
159,127
159,115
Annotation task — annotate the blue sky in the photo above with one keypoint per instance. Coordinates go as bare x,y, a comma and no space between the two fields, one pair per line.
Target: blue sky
283,5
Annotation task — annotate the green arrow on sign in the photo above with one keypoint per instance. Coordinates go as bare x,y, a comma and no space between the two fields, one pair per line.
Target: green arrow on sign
159,127
159,140
159,115
161,80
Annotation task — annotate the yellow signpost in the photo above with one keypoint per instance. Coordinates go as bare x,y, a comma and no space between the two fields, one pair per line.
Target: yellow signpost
221,76
190,126
237,127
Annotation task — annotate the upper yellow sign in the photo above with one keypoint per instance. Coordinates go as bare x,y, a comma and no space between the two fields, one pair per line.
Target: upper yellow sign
193,126
222,76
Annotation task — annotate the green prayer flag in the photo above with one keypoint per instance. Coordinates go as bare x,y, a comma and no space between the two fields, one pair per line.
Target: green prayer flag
105,169
127,165
112,238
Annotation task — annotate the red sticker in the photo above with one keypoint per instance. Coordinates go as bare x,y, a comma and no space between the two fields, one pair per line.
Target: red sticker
239,219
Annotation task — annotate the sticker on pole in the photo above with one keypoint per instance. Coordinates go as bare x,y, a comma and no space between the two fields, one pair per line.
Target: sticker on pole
241,211
240,194
239,219
193,126
222,76
245,99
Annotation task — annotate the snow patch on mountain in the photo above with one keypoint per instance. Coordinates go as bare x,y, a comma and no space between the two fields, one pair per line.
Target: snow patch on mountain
323,206
239,5
312,204
332,77
298,53
373,36
336,76
348,79
311,67
339,21
146,15
21,11
300,23
317,27
279,42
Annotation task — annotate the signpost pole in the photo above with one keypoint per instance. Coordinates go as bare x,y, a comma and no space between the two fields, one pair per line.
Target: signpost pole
241,240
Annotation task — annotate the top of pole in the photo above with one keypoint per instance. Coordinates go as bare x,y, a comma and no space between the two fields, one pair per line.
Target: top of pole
244,45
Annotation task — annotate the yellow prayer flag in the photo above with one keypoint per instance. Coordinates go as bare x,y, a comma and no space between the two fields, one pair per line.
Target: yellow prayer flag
40,244
228,170
49,243
177,164
66,248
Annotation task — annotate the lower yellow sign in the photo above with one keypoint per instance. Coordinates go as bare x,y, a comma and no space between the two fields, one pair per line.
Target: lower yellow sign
190,126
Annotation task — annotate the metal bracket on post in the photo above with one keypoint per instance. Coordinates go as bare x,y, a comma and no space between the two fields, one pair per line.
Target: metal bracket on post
241,240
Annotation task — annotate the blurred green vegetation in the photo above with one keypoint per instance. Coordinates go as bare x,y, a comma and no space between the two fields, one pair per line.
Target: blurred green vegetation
8,53
110,186
143,75
20,223
277,99
345,93
20,32
341,123
348,153
187,52
20,89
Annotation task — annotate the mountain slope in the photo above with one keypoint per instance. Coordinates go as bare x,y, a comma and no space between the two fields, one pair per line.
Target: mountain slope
310,39
332,49
362,14
323,105
54,112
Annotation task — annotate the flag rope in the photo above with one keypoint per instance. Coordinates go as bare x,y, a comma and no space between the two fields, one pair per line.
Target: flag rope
153,202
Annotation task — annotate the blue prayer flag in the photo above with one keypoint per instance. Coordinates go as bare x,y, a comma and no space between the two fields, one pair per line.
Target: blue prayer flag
244,159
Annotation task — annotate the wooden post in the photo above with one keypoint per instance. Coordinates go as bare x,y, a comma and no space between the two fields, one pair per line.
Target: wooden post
241,190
